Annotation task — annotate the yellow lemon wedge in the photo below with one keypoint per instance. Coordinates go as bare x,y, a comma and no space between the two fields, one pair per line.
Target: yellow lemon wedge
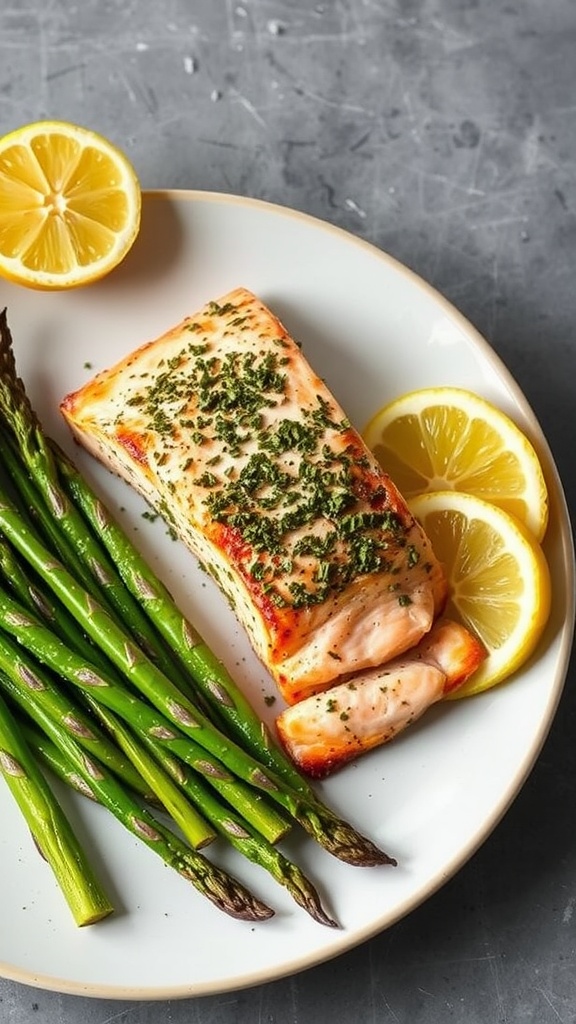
448,438
499,584
70,205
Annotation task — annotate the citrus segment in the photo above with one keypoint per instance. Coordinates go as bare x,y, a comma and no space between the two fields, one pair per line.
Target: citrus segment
449,438
69,205
499,584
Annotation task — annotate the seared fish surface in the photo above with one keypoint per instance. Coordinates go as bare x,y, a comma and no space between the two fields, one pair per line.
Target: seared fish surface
230,435
323,732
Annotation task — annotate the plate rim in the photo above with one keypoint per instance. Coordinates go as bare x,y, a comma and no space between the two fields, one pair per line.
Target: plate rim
62,985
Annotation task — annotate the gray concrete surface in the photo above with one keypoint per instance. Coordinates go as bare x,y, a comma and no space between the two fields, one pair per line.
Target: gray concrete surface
444,131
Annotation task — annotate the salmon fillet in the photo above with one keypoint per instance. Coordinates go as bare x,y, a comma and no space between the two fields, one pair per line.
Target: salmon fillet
226,430
323,732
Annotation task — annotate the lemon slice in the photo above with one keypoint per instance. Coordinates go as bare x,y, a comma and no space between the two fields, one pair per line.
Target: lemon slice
499,584
69,205
448,438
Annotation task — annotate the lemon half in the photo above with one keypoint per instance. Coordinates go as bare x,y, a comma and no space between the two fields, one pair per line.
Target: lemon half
499,583
448,438
70,205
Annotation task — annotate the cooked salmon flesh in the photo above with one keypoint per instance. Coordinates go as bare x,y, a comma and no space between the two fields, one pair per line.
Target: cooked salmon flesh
226,430
323,732
229,434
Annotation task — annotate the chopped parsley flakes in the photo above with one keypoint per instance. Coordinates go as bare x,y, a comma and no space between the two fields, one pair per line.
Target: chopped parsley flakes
293,490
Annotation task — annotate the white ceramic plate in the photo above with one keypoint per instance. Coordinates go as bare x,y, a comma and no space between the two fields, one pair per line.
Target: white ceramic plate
373,330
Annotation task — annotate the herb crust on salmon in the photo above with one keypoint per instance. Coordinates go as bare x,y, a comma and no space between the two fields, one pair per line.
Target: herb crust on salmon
228,432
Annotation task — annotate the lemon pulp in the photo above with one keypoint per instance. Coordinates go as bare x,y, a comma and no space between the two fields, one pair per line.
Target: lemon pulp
499,584
449,438
69,205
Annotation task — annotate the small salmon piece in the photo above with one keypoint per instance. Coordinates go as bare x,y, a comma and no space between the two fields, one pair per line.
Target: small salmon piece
231,436
325,731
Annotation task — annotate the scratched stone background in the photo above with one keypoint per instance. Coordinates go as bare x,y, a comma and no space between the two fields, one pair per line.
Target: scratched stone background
444,131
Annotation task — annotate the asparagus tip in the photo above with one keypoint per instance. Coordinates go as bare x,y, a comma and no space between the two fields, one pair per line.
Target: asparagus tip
317,912
364,854
231,896
247,908
342,840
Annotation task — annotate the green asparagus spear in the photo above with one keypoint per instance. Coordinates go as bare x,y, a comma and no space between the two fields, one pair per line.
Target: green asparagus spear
47,519
49,826
58,619
222,889
44,645
252,845
48,754
48,465
330,831
210,674
56,616
30,461
207,671
64,531
229,824
140,775
93,567
130,660
71,718
79,547
19,581
191,822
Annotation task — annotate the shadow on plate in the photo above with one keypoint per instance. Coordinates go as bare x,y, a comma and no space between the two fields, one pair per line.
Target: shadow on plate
156,250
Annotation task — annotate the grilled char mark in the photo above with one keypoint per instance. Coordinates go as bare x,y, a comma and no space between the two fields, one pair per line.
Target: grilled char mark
132,443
